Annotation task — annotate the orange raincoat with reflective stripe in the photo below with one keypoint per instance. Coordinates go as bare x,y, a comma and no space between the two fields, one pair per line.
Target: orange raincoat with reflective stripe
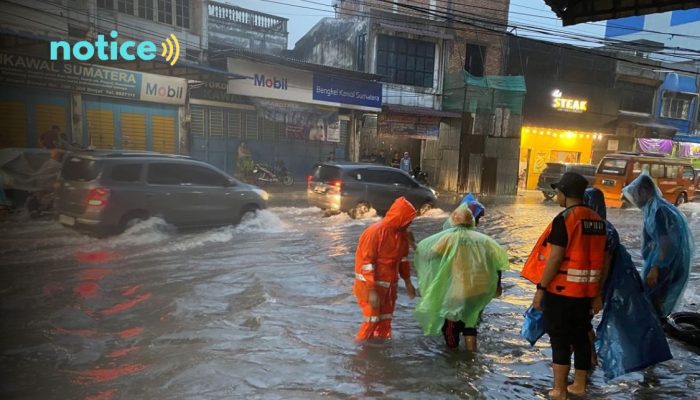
380,258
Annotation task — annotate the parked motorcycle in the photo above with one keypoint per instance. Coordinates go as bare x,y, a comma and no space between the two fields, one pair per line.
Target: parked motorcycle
41,203
420,176
276,174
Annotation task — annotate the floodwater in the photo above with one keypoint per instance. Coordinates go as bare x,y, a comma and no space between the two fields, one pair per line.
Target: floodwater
265,311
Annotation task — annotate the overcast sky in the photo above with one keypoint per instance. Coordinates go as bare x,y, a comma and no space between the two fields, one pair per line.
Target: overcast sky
303,15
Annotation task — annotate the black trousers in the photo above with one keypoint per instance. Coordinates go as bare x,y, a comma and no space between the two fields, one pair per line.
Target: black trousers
451,331
567,321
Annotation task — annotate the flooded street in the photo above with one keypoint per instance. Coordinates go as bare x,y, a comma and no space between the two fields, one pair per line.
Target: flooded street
265,310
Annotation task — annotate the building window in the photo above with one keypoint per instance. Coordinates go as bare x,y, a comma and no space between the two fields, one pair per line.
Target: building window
676,105
474,59
361,50
155,10
109,4
165,11
635,97
406,61
125,6
146,9
182,13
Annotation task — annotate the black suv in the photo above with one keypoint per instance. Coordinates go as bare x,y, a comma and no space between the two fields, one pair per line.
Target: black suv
356,187
102,191
553,172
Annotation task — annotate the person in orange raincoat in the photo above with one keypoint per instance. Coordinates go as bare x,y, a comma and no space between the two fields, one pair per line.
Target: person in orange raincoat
380,258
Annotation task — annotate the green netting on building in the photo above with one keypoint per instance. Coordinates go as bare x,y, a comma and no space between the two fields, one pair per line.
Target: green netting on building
468,93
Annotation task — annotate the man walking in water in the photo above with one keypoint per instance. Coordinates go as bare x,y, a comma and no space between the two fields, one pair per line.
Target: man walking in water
566,264
380,258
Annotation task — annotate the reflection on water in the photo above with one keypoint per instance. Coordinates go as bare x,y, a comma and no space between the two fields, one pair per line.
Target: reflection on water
265,310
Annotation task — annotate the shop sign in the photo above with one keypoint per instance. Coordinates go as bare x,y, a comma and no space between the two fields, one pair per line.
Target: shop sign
28,71
409,126
561,103
290,84
347,91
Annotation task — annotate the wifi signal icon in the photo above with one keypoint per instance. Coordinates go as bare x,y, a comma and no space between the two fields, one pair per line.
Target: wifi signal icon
171,49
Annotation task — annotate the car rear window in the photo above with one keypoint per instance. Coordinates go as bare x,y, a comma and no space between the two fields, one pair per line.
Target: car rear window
612,166
584,170
126,173
80,169
553,168
325,173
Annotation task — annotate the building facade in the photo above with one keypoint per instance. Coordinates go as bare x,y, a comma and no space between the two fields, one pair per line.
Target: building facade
422,49
582,104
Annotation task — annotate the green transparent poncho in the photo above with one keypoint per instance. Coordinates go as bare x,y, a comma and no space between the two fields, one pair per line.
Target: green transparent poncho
457,276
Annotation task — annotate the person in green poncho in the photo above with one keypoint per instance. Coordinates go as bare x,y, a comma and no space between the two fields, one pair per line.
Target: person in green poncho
459,272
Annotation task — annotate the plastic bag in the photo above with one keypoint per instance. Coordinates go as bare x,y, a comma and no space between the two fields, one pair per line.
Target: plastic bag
457,275
533,325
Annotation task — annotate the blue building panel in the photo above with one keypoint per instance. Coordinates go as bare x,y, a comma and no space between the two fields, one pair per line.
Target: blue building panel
624,26
681,17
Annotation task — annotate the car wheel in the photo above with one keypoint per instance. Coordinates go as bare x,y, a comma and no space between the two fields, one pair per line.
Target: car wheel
549,195
248,213
682,199
288,180
360,210
130,219
425,208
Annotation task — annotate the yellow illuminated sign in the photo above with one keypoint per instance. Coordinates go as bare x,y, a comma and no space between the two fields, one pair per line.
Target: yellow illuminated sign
561,103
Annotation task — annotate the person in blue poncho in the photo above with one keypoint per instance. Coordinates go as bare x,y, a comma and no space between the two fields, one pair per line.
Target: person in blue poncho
667,246
477,209
627,339
459,272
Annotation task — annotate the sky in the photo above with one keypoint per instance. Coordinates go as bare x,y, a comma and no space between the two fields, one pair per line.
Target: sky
304,14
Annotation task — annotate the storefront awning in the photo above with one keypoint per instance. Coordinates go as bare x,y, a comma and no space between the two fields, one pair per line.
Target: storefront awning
687,138
428,112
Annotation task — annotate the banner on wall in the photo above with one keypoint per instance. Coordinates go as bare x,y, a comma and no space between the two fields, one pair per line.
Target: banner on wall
659,146
409,126
302,121
689,150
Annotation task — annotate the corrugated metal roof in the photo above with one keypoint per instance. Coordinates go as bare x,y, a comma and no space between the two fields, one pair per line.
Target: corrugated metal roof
574,12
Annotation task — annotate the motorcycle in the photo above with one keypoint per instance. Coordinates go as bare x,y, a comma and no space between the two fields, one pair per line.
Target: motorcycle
420,176
277,174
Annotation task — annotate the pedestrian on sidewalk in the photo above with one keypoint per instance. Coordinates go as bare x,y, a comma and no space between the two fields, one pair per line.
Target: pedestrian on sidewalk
459,272
405,164
381,257
566,265
667,246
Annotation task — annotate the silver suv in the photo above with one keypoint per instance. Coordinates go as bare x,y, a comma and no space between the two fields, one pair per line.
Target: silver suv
103,191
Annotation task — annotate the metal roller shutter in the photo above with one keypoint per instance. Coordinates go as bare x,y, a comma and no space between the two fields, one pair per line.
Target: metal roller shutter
163,129
13,124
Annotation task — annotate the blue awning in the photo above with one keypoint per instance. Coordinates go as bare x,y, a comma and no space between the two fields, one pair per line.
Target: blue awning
680,83
687,138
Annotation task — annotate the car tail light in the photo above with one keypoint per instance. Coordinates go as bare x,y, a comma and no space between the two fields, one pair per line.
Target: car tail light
98,197
337,183
309,179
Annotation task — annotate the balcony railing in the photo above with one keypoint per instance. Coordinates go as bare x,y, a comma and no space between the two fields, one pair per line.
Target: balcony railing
228,13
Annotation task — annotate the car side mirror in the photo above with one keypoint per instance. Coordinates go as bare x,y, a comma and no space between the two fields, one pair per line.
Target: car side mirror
232,183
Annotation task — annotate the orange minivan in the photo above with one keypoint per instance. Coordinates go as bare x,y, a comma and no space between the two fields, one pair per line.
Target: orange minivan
674,176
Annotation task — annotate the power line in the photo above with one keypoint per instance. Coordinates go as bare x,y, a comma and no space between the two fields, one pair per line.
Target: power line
423,10
601,54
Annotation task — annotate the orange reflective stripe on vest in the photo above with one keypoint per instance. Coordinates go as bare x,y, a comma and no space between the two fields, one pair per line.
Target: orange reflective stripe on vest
579,273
